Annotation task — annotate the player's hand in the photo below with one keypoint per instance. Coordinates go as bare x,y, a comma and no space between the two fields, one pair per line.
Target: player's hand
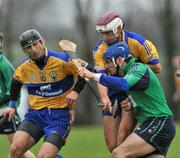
72,117
71,98
127,104
107,103
9,112
84,73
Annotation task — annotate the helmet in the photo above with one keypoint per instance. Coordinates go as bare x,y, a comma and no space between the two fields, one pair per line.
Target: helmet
118,49
1,33
29,37
109,22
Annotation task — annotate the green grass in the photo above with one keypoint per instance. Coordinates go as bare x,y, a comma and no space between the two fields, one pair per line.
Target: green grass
88,142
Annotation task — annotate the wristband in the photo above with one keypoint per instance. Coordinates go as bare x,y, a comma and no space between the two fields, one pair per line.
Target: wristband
97,77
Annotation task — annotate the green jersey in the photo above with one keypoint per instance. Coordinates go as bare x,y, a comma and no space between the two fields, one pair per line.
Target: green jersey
142,84
6,74
146,91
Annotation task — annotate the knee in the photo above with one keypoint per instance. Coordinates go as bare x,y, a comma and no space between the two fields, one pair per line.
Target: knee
115,153
120,153
111,147
45,155
16,150
41,155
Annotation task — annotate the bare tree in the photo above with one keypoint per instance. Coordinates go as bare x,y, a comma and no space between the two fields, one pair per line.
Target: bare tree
165,13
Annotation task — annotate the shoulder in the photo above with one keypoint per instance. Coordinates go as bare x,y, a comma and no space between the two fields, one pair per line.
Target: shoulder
24,60
138,67
99,44
59,55
4,61
135,36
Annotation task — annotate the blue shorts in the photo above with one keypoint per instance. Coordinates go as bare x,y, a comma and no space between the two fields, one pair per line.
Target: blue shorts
47,122
159,132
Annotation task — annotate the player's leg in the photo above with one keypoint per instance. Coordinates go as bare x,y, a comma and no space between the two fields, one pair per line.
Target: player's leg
155,156
48,150
133,146
9,128
56,132
22,141
27,154
127,125
152,138
26,136
111,126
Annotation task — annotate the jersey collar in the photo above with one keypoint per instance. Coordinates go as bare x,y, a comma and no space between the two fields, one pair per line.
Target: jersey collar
128,65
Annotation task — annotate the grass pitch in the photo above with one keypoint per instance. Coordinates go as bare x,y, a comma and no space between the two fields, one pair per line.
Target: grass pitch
88,142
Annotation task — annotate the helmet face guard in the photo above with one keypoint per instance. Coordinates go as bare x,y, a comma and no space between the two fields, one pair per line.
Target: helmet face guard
111,26
119,49
29,37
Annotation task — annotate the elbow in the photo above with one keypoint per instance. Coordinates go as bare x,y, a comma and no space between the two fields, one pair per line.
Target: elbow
125,88
156,68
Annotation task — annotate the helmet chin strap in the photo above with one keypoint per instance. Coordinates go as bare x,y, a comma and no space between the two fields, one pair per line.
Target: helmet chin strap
114,62
122,61
117,65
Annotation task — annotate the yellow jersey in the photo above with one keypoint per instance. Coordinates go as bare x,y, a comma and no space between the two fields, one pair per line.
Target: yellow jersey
47,87
143,50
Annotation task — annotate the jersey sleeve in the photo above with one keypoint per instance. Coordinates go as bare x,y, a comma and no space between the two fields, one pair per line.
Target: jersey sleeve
98,53
147,53
114,83
142,49
70,68
135,77
7,71
154,52
18,75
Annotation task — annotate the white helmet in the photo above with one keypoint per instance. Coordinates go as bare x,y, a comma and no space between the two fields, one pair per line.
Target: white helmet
109,22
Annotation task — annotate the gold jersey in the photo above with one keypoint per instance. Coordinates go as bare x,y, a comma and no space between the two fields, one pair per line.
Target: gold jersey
143,50
47,87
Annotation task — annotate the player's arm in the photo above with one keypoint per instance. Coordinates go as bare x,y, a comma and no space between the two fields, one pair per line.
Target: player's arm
126,126
155,67
15,89
69,68
117,83
6,71
103,91
14,95
147,53
153,62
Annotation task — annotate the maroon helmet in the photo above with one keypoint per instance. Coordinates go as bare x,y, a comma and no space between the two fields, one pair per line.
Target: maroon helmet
109,22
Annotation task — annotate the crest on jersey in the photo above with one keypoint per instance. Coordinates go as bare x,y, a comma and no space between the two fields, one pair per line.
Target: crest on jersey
42,76
33,77
53,76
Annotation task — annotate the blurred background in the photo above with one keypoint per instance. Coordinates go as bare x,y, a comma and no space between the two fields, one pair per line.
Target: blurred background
157,20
